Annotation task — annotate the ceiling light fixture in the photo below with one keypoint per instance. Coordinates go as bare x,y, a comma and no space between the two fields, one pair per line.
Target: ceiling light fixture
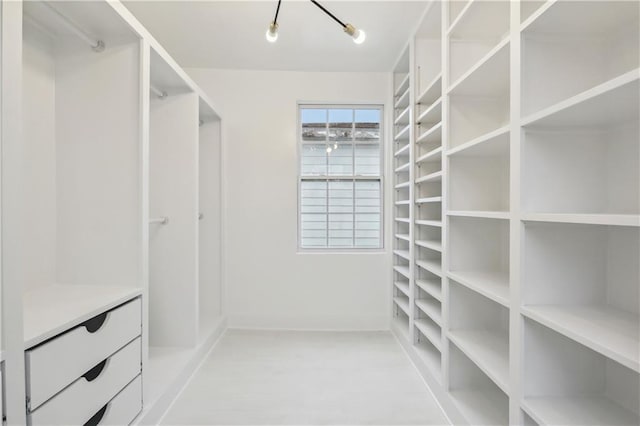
272,31
358,35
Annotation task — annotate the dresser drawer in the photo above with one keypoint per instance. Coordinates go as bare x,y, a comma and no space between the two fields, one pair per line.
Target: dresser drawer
122,409
60,361
79,402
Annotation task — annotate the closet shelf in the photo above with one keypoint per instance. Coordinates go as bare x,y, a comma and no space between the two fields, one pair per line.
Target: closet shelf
588,219
403,287
479,19
402,202
403,303
404,237
403,100
403,134
432,115
432,266
479,214
481,406
429,200
403,270
403,168
493,143
613,333
596,18
404,151
578,411
431,308
431,331
432,177
403,220
430,244
489,351
431,287
402,253
610,103
434,223
487,77
431,156
536,15
432,92
403,185
403,117
492,285
403,86
433,135
431,357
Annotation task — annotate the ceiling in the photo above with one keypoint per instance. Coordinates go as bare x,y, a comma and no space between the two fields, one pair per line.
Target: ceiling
231,34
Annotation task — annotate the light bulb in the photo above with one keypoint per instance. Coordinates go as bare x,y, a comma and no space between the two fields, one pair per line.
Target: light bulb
359,37
329,149
272,33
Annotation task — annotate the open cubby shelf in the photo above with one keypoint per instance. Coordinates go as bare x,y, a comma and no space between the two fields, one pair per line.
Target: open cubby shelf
572,47
402,286
479,255
568,383
430,330
480,401
479,176
480,329
430,354
582,281
402,302
524,209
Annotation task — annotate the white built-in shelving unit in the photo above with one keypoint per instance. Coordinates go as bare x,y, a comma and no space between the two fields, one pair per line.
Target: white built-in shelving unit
93,162
402,194
526,211
428,191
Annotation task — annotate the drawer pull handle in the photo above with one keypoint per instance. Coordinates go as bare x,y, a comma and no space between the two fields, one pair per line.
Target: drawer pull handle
91,375
96,322
97,417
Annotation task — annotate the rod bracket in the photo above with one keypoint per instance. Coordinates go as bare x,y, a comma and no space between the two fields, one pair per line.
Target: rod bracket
99,46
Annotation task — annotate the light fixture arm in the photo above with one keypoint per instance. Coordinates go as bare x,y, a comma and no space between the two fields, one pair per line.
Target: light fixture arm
275,19
342,24
357,34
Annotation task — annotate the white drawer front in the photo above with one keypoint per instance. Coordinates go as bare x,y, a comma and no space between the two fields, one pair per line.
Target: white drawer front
60,361
79,402
122,409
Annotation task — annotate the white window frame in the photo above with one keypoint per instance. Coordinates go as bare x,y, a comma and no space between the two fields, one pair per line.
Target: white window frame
326,105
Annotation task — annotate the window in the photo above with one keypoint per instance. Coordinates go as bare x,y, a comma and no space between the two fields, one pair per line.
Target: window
340,186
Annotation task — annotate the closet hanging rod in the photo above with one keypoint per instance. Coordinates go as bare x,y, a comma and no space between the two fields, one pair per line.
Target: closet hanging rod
161,94
96,44
159,220
28,19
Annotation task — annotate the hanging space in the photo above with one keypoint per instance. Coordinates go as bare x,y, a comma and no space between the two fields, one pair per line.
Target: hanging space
185,232
77,226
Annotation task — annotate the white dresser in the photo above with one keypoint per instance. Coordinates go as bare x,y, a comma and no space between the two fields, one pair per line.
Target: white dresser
89,374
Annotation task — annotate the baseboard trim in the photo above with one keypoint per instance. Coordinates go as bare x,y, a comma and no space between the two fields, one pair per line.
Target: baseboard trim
310,323
441,395
154,411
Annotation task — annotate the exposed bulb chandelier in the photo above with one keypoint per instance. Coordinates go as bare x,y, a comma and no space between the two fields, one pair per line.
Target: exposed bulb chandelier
358,35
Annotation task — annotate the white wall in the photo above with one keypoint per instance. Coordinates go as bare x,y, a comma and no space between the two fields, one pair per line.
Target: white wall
269,284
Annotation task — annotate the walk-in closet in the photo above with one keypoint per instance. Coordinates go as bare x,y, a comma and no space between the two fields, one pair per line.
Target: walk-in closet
327,212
